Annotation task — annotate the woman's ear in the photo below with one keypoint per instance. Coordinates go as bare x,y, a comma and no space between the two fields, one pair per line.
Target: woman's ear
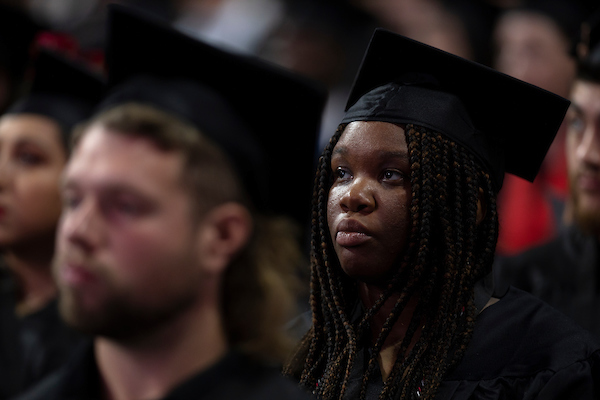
225,231
481,207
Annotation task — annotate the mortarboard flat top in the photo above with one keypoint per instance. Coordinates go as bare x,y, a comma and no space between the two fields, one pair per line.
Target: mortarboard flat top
232,98
62,89
508,124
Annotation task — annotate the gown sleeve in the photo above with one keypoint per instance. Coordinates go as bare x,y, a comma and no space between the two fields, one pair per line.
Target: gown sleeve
524,349
580,380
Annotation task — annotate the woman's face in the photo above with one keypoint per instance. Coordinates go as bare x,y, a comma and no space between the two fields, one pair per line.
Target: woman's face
368,210
32,158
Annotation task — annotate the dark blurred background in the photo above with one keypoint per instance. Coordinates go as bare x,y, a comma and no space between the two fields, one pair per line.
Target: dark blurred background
325,40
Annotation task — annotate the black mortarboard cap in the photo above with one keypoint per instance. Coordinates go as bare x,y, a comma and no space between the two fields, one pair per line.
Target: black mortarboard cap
62,89
264,117
17,34
506,123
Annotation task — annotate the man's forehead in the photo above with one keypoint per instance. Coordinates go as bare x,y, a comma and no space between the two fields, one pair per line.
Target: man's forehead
103,156
586,94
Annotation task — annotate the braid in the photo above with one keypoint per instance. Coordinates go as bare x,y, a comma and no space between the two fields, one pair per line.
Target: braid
447,253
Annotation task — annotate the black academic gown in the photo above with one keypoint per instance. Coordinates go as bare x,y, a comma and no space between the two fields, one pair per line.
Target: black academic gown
31,347
234,377
564,272
521,349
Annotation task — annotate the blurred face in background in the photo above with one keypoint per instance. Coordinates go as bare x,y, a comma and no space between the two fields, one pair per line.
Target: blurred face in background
32,157
126,255
531,47
583,154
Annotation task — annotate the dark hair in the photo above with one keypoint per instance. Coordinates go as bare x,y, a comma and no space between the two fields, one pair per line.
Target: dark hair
447,253
259,287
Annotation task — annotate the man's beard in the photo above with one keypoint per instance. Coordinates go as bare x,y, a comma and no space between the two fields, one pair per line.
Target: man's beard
588,220
116,313
119,318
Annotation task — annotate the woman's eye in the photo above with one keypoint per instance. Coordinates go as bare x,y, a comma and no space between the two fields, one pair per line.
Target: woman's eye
392,175
341,173
29,158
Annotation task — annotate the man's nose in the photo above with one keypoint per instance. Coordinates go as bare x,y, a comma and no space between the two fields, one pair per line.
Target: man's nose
589,148
82,226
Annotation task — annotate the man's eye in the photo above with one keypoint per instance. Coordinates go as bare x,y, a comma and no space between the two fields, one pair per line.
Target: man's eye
70,201
128,208
576,125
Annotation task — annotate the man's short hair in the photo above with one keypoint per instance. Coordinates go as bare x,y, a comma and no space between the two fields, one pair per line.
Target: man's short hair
207,172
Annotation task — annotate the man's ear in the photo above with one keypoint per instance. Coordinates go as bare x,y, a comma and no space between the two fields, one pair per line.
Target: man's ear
481,207
224,231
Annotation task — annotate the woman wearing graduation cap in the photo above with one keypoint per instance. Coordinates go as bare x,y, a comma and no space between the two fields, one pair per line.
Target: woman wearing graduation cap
403,238
33,151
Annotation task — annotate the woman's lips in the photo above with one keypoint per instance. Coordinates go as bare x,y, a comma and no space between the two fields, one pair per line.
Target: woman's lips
351,233
351,239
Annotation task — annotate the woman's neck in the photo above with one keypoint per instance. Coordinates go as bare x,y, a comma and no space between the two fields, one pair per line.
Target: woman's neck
31,267
369,294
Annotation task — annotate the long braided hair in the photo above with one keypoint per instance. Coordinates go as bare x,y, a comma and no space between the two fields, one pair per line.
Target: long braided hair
447,253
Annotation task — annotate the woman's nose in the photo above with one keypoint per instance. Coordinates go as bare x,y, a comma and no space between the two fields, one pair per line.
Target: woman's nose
359,196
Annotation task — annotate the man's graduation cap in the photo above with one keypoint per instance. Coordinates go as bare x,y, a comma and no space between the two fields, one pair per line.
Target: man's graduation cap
63,90
264,117
506,123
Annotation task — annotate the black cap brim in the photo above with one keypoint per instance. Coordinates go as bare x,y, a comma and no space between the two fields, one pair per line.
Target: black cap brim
62,89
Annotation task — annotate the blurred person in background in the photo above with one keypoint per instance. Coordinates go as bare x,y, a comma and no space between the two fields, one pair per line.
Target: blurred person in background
458,27
424,20
534,43
34,136
176,248
321,39
565,272
239,25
